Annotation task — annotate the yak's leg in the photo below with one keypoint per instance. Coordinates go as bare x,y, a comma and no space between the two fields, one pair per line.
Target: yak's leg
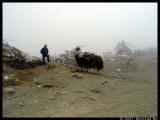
87,69
82,68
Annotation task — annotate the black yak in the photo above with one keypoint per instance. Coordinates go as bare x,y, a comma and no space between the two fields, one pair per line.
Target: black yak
89,60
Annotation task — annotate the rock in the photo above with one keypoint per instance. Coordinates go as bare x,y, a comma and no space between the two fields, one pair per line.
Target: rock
17,80
15,113
115,75
53,98
35,100
21,104
118,70
15,96
50,66
48,86
84,97
73,71
104,82
91,88
51,78
78,91
112,59
77,70
89,98
77,76
9,91
12,75
37,83
14,83
64,92
67,104
87,85
58,92
95,90
10,79
6,77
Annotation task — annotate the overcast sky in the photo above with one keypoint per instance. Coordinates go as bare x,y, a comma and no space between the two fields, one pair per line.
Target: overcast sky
98,27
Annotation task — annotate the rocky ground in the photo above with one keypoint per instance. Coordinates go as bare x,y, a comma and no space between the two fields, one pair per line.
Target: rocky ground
60,91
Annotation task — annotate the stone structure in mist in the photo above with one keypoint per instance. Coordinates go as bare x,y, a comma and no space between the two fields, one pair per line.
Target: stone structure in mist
123,49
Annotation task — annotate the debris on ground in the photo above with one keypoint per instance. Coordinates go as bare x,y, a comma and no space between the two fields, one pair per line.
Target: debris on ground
73,71
35,100
9,91
95,90
50,66
47,86
112,59
78,91
118,70
61,93
64,92
104,82
21,104
10,79
77,76
89,98
17,80
36,81
6,77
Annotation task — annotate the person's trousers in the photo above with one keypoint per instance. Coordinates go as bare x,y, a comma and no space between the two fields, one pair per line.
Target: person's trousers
43,57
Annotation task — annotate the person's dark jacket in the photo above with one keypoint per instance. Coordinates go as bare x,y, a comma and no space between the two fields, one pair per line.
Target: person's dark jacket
44,51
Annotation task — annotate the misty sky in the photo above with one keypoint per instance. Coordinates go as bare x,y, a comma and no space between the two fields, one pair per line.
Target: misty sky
98,27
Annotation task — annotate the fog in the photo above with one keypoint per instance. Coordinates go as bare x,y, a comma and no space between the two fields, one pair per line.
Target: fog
97,27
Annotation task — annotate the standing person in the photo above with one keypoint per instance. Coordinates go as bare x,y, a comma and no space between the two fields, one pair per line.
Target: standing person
44,51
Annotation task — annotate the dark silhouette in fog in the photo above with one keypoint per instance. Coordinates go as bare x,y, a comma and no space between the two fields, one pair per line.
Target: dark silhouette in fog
89,60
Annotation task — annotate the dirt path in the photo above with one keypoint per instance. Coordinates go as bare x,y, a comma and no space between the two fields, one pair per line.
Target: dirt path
61,92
